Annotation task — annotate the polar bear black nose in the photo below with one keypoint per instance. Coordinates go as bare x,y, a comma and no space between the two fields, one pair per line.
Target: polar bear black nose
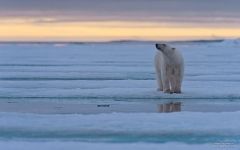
156,46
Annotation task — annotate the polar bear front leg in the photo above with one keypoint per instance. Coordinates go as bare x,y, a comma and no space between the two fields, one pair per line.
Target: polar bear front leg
159,80
158,68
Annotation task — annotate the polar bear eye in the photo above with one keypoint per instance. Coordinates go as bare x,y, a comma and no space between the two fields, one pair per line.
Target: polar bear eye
173,48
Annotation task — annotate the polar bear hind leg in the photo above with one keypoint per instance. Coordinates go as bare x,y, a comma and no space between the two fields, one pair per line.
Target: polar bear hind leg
166,80
178,79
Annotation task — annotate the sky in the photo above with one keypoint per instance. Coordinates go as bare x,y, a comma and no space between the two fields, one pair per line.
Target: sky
104,20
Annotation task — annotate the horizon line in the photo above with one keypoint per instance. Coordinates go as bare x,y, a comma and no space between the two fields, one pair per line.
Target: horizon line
111,41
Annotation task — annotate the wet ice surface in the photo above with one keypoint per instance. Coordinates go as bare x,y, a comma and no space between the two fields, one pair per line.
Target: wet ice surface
49,81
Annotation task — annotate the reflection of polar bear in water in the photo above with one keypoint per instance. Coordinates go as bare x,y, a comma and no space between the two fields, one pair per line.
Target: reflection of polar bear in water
169,68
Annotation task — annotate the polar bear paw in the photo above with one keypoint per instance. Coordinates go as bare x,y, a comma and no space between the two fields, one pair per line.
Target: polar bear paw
168,91
178,92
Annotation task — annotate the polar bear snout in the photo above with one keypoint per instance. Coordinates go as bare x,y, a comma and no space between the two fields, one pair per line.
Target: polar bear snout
160,46
157,46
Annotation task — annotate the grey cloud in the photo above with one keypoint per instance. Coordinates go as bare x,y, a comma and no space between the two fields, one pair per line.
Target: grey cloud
120,5
198,11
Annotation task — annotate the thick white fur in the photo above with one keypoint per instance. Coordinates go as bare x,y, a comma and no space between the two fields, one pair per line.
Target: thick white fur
169,66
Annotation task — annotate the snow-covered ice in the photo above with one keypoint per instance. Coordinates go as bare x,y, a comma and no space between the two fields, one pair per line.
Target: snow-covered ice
114,72
187,127
118,73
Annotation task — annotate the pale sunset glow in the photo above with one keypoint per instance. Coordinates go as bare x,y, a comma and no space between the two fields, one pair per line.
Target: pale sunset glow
105,31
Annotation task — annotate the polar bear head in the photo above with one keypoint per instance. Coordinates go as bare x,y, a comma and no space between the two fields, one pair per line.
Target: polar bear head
165,49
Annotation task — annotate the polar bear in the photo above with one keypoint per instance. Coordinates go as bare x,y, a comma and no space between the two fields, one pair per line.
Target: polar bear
169,65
